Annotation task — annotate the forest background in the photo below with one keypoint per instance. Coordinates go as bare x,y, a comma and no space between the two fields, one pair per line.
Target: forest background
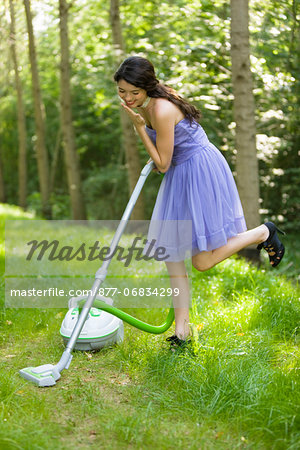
189,44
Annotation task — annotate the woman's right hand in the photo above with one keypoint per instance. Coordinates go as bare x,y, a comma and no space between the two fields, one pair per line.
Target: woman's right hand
137,120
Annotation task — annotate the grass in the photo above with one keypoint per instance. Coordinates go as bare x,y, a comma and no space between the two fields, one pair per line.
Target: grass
240,391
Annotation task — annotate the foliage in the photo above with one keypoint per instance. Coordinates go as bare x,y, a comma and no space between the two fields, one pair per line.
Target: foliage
101,188
188,42
276,36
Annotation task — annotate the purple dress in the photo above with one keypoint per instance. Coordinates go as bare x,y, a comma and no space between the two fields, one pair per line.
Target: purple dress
197,207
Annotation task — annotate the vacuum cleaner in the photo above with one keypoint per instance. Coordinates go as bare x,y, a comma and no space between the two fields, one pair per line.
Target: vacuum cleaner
99,330
94,322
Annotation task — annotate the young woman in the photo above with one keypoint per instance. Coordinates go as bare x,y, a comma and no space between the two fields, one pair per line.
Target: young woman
198,185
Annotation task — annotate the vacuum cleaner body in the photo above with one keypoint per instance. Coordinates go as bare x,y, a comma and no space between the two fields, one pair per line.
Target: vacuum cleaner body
99,330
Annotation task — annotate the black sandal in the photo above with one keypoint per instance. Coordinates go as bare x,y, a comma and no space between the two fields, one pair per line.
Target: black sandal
272,245
177,343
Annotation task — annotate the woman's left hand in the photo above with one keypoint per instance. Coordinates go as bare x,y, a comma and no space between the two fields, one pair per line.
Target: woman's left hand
137,120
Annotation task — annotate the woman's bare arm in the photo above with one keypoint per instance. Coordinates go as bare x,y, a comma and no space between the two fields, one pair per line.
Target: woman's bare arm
164,123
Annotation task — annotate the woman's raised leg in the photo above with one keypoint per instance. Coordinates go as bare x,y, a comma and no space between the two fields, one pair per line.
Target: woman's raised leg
206,260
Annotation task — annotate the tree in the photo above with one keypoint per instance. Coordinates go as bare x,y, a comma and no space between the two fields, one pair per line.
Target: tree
246,158
42,156
22,166
2,188
71,157
130,140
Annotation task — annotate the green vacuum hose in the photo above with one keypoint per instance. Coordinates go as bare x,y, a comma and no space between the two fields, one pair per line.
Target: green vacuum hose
155,329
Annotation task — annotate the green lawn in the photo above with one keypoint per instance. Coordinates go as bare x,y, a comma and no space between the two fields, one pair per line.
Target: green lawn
241,390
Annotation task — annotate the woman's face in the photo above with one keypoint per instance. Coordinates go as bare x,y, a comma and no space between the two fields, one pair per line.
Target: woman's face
132,95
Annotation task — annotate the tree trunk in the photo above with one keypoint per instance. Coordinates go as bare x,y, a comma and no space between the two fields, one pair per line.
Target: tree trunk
22,166
71,157
55,159
2,188
244,114
42,156
130,139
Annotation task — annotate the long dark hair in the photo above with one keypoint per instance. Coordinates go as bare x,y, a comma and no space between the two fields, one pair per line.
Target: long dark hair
140,72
